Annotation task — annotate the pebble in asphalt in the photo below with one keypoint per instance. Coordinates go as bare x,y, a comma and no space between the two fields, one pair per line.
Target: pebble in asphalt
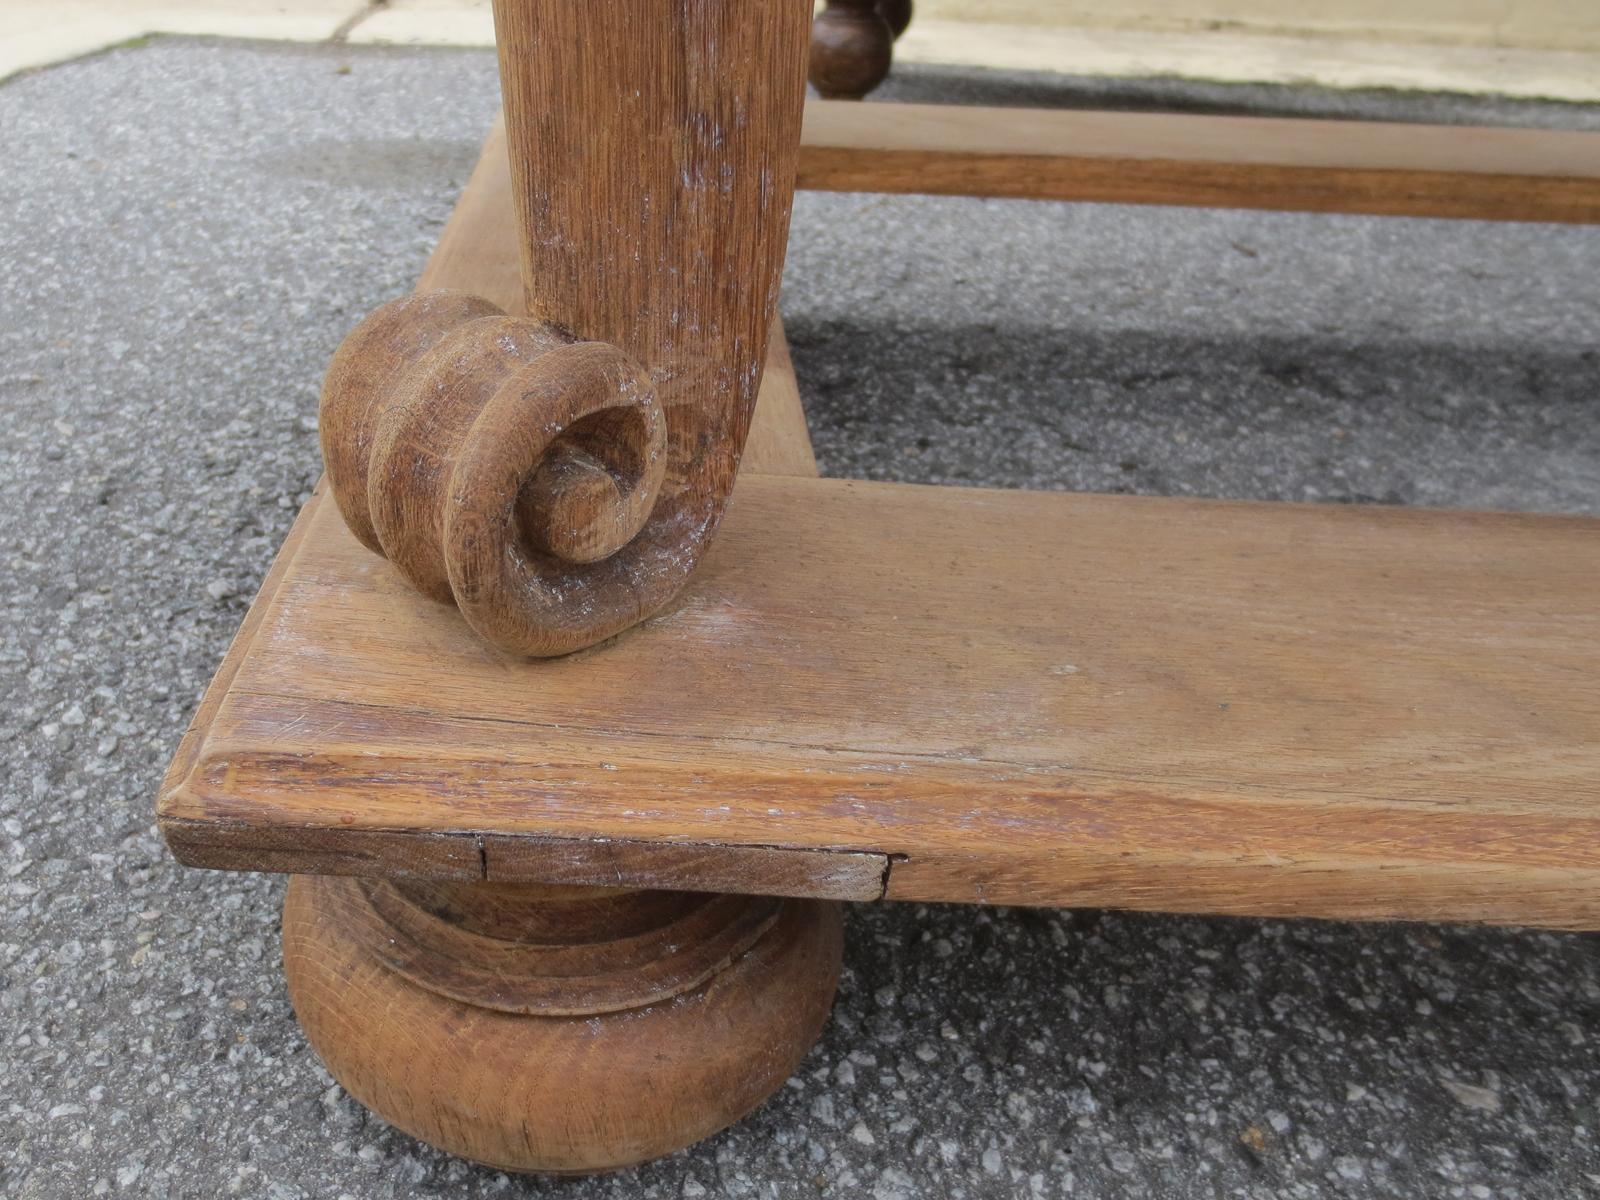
186,230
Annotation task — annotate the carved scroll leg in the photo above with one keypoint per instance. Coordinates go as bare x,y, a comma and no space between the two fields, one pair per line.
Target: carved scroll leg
557,477
852,45
561,1030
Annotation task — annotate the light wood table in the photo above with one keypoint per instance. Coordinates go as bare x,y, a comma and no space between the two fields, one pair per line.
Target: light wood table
568,913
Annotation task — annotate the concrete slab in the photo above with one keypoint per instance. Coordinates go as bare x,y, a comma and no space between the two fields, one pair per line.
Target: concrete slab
1039,38
1034,35
1534,24
37,32
1231,56
429,23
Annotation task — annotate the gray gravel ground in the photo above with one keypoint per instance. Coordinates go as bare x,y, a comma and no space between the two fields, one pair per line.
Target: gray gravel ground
187,228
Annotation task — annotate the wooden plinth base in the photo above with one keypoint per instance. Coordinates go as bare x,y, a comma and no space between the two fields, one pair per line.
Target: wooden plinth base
914,693
944,694
550,1029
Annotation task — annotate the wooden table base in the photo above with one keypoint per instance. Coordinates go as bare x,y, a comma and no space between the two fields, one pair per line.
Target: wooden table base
545,1028
870,691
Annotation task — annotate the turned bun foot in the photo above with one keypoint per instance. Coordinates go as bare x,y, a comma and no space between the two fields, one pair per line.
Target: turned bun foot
562,1030
852,46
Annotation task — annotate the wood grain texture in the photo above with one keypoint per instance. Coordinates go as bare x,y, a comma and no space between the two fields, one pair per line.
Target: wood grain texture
550,1027
472,857
652,155
503,467
557,476
541,951
779,441
1014,697
477,253
1227,162
663,1048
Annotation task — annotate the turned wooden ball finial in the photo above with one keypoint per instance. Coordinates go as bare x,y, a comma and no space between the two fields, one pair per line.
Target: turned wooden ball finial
498,463
852,46
897,13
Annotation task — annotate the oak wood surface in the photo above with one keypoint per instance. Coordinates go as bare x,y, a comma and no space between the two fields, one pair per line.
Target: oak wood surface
652,158
557,476
663,1046
508,468
1418,812
477,253
779,441
1184,159
1009,697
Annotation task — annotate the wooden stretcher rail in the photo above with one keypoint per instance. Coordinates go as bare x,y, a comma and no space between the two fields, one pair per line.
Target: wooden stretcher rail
945,694
963,695
1226,162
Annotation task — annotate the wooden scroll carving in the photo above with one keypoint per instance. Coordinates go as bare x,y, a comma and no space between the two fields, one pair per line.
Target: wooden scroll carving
503,466
558,477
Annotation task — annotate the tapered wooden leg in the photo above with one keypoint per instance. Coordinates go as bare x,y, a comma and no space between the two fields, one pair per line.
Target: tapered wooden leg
563,1030
852,45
